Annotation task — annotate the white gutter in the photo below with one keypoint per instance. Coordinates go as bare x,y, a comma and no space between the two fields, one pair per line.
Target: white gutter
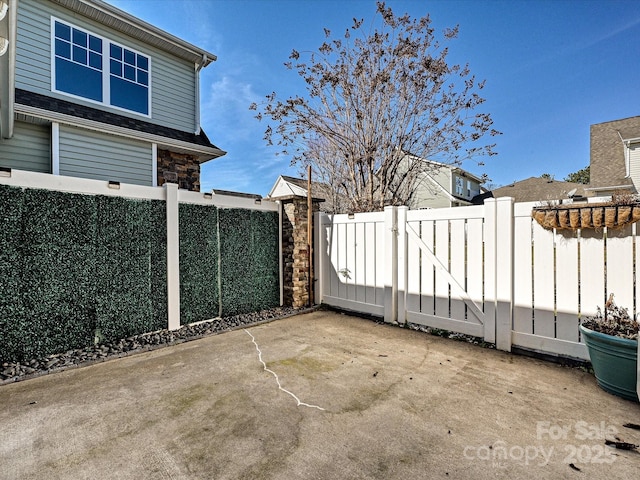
116,130
612,187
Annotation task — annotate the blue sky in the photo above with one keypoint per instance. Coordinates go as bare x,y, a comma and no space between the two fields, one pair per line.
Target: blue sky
552,68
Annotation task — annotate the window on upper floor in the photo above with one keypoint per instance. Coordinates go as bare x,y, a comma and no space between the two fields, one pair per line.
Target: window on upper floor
459,186
97,69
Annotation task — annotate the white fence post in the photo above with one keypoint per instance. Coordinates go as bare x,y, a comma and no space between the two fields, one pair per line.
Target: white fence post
504,272
402,264
391,264
173,254
490,261
320,253
280,252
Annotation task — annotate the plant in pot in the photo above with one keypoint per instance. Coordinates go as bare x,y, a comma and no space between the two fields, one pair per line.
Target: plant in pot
612,341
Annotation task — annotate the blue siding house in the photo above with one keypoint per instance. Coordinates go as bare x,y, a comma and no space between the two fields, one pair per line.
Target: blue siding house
87,90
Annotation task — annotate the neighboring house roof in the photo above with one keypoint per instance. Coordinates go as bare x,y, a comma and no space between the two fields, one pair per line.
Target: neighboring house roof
535,189
230,193
608,163
286,185
58,110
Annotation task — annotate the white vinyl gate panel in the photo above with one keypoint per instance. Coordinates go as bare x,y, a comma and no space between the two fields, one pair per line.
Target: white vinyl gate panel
352,262
448,248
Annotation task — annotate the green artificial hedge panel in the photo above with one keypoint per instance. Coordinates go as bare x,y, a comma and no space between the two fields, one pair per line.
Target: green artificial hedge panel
248,260
129,243
265,247
198,263
58,271
236,284
12,317
158,231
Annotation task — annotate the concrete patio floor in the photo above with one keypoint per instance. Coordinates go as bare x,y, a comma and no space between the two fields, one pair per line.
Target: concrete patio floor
384,403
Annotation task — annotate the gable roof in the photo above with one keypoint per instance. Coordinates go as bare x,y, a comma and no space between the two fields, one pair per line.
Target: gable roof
121,21
292,186
57,110
297,187
536,189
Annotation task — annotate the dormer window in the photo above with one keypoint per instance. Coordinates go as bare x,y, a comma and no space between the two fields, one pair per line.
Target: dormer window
94,68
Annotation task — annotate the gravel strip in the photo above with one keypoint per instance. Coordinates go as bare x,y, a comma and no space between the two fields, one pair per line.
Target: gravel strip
14,372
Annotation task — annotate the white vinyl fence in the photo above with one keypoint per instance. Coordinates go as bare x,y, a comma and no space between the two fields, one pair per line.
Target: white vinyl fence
489,271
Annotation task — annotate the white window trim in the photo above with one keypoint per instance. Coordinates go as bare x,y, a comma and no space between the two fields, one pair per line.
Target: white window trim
106,55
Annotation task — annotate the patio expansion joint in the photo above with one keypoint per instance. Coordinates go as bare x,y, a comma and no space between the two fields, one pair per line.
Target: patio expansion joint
264,366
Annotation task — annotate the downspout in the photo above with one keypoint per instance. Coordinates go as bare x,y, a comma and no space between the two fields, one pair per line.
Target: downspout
627,158
199,67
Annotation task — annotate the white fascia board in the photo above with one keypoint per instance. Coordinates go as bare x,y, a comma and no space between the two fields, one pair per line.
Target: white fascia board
275,185
116,130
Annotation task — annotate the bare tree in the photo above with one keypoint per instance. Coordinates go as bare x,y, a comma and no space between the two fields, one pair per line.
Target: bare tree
374,98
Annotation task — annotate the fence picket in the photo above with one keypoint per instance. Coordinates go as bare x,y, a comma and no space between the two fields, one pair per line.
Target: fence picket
567,300
523,272
442,254
428,297
414,272
592,293
458,254
619,267
543,282
475,261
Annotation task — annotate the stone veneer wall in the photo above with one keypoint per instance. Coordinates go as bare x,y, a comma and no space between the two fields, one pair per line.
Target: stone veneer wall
294,252
179,168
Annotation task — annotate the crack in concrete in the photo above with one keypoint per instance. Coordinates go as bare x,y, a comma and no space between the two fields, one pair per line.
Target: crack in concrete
264,366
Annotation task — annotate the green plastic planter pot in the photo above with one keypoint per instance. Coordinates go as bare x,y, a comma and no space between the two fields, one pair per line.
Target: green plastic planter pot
614,361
